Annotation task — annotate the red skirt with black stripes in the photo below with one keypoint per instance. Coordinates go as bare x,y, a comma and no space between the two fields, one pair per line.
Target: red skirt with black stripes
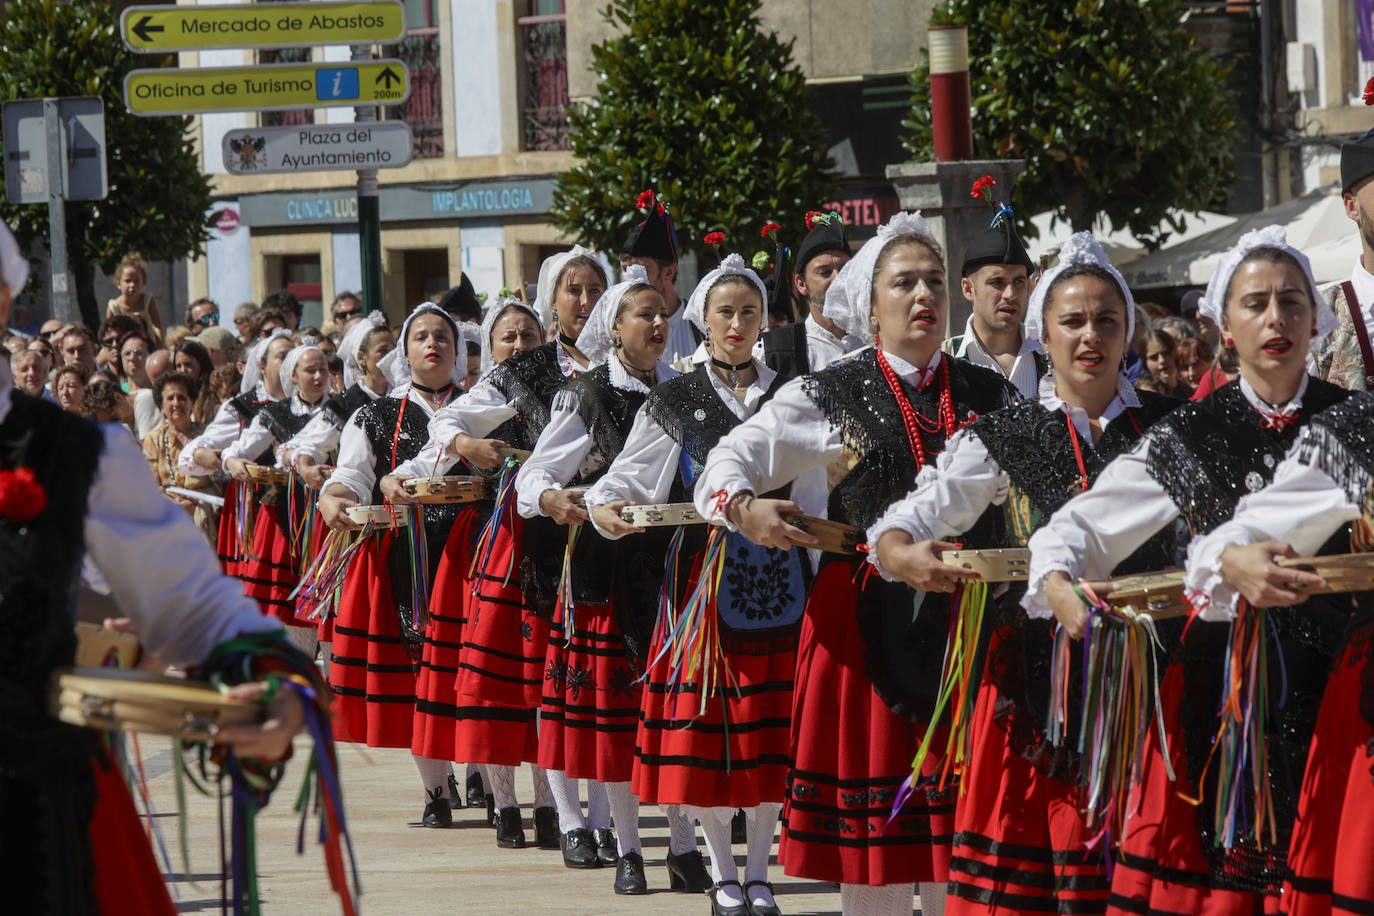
227,546
270,572
590,709
1333,837
372,677
850,755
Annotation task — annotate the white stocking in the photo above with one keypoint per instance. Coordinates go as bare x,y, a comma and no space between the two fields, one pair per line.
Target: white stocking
433,775
715,827
565,800
598,805
932,898
473,769
625,813
760,821
502,786
880,900
326,656
543,798
682,833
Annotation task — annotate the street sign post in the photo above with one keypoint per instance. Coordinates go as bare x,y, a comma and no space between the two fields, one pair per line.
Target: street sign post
317,148
55,152
269,87
160,29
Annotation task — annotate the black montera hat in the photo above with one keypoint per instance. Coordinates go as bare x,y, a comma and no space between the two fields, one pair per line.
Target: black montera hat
654,237
997,244
827,234
1357,162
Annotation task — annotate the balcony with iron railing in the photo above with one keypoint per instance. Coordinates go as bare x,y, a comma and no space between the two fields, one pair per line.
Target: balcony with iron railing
424,110
544,83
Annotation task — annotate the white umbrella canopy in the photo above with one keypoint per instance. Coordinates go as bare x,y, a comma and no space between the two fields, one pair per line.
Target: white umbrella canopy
1121,246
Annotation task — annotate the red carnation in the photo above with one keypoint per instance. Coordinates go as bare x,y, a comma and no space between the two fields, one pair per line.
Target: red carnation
645,199
714,238
981,186
811,218
1369,92
767,228
21,495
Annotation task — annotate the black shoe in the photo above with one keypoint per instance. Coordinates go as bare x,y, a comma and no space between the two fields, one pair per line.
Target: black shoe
492,818
606,851
579,849
477,795
720,909
546,828
437,813
739,828
687,872
509,832
761,910
629,875
455,797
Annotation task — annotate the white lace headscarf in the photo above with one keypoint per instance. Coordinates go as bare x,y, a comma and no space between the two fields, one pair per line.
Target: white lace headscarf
595,339
252,369
14,267
548,281
287,371
353,342
849,301
1213,303
730,265
500,307
396,365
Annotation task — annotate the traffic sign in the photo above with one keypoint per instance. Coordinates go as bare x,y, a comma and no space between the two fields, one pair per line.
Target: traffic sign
269,87
317,148
159,29
79,173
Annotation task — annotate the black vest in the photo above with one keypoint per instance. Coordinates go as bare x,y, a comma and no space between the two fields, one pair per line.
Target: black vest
342,406
528,381
785,350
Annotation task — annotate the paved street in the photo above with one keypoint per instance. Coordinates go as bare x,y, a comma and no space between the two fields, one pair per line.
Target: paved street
410,870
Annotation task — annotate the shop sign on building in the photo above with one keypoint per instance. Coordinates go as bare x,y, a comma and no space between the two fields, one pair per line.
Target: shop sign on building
409,203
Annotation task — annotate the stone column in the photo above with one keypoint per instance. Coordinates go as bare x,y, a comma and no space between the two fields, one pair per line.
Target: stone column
941,191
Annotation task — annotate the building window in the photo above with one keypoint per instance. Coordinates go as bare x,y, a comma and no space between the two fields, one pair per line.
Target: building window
424,110
544,76
301,274
296,116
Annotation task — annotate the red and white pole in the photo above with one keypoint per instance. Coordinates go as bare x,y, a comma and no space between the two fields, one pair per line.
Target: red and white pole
949,94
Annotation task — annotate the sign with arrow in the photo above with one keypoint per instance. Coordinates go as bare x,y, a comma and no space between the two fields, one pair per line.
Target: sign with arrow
159,29
268,87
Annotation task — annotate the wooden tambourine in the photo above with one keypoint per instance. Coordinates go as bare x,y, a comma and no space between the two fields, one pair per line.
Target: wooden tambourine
832,537
450,489
115,699
519,454
1009,564
1159,595
379,516
1343,572
98,646
660,515
265,476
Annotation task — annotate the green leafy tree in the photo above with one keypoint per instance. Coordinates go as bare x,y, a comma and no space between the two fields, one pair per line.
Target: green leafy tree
700,104
158,196
1113,105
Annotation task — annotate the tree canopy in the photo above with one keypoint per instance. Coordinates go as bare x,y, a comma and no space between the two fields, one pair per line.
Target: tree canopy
697,102
158,196
1115,108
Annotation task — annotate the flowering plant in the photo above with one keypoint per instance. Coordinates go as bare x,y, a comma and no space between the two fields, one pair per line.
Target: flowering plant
647,199
982,187
714,238
767,228
22,497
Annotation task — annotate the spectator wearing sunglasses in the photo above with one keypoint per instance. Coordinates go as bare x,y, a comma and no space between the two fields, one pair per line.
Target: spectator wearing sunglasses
346,311
201,314
112,331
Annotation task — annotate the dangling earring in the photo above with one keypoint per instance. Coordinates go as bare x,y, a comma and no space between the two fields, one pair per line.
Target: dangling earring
615,342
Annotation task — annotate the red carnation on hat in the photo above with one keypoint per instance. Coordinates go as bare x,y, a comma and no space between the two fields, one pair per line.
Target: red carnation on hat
811,216
714,238
21,495
767,228
1369,92
645,199
981,187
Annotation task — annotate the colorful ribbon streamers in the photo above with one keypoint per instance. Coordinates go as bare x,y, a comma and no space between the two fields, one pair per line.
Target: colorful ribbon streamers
500,513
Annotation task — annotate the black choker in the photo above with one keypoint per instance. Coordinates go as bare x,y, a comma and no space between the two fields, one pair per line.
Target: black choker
733,370
567,341
645,375
427,390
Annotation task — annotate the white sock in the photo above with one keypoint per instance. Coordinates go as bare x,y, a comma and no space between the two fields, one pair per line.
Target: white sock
474,769
598,805
880,900
565,799
543,798
682,833
502,786
326,655
760,822
307,639
932,898
433,775
715,829
625,813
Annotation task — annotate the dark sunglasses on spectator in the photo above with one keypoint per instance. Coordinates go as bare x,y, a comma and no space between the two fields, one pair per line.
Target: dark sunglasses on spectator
110,343
345,314
206,320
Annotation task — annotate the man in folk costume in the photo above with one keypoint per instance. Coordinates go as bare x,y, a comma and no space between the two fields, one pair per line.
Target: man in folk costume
815,342
652,244
1346,357
996,279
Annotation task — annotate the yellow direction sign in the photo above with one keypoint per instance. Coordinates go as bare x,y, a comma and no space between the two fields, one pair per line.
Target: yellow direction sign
269,87
158,29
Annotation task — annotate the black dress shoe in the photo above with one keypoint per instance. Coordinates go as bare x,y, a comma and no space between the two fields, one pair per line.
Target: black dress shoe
761,910
437,813
492,818
739,828
546,828
629,875
721,909
509,832
687,872
476,794
606,850
455,797
579,849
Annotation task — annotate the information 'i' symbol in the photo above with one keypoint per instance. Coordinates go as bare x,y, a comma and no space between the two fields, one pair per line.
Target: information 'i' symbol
338,81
